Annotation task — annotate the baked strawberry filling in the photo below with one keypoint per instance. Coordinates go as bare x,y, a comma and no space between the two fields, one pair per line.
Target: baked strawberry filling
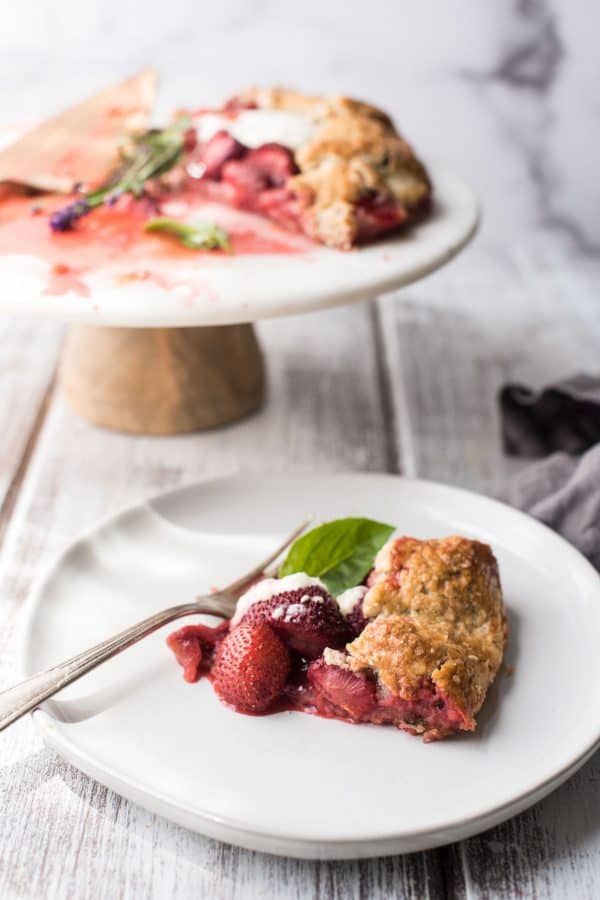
376,214
194,647
258,180
225,170
266,664
212,156
266,650
306,622
340,693
278,656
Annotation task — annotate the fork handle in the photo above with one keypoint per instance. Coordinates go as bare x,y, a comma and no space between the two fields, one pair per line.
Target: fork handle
23,697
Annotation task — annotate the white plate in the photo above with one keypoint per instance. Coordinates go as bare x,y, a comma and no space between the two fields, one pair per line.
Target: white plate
218,290
292,783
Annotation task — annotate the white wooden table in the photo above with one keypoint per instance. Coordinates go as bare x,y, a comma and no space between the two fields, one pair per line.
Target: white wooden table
405,385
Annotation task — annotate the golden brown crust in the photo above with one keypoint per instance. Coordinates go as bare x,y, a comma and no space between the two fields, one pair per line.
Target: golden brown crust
318,107
437,614
355,153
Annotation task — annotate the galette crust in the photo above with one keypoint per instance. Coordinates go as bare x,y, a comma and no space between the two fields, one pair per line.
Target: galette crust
437,613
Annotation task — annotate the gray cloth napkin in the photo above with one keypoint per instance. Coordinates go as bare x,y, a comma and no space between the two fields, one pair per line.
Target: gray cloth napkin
563,416
564,492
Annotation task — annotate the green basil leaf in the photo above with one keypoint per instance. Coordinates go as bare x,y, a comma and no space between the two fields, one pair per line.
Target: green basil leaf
340,553
196,236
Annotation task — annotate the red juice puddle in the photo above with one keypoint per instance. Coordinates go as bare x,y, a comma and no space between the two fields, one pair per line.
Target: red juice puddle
113,238
246,243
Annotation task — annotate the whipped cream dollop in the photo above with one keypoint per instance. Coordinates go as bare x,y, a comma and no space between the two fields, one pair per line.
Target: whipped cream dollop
348,599
272,587
254,127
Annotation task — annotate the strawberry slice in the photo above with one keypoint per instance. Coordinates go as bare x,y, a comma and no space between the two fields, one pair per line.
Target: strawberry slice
251,667
355,620
340,691
194,648
246,182
218,150
274,161
378,214
281,205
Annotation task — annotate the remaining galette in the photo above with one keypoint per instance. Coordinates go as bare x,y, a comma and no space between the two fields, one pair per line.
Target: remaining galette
332,167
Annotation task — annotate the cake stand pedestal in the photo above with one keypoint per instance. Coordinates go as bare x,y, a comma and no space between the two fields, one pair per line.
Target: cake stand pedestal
162,380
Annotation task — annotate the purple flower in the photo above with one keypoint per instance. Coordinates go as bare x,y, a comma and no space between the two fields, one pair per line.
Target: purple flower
64,219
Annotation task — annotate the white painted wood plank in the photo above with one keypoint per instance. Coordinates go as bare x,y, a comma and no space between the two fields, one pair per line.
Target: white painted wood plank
61,834
29,353
450,344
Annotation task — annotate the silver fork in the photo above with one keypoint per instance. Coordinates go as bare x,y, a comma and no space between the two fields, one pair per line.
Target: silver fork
25,696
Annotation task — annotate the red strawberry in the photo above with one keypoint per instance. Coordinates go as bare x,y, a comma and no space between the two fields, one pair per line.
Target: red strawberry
218,150
348,692
378,214
355,619
194,647
251,667
307,619
190,140
274,161
246,180
281,205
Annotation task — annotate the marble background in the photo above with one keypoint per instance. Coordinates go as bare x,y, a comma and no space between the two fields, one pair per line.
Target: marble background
504,92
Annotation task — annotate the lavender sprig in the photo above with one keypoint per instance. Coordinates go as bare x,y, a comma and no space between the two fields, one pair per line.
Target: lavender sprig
64,219
154,153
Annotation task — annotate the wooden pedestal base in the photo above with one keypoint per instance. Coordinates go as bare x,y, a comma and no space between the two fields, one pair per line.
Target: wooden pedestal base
162,380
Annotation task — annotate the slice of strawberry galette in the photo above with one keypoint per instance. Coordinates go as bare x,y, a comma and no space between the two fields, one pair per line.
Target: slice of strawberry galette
417,645
332,167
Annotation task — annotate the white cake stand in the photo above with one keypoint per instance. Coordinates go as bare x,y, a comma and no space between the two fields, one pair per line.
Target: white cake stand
148,359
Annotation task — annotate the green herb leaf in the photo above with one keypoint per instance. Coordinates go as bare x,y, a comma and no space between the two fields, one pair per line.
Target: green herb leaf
196,236
340,553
